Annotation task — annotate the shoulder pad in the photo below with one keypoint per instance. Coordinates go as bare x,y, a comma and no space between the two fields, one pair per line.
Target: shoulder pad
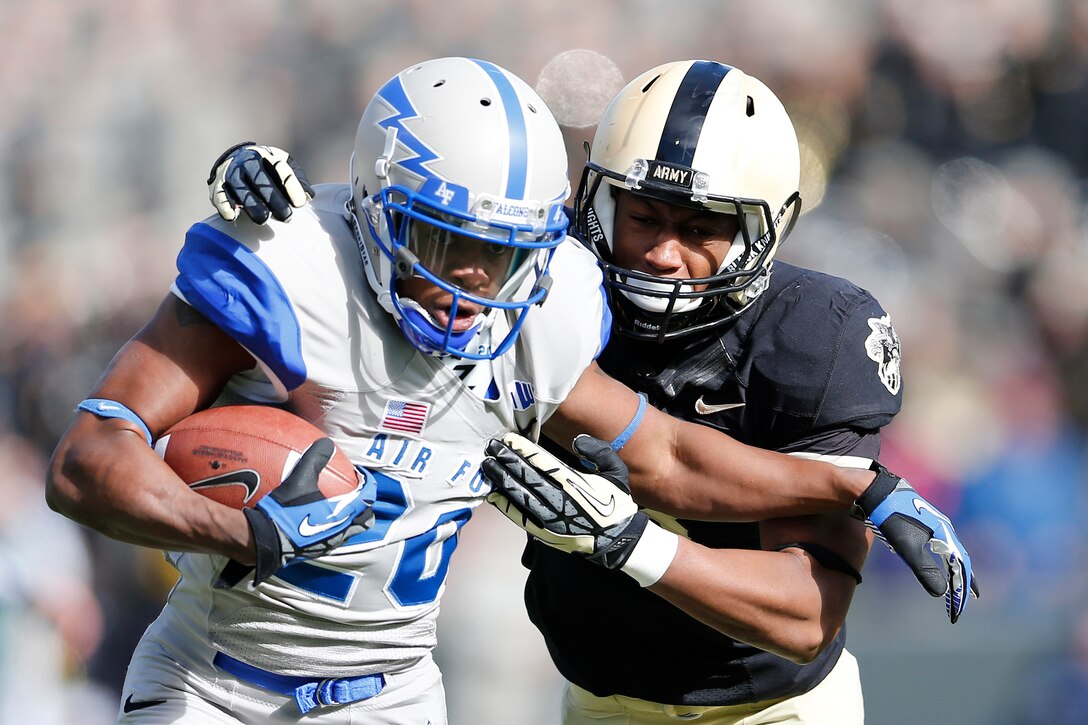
824,351
229,284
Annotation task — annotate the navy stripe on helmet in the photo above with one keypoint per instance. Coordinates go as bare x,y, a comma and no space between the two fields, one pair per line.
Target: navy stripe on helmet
684,125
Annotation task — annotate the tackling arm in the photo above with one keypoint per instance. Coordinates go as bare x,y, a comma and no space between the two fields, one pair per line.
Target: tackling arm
696,472
782,599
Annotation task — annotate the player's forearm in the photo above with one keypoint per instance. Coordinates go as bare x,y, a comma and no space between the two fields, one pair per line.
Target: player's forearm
107,479
695,472
780,602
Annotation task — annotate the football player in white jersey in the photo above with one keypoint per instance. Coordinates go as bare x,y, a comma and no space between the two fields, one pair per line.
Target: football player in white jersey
415,313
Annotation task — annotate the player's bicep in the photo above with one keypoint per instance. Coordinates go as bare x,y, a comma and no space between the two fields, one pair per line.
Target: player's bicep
676,467
178,363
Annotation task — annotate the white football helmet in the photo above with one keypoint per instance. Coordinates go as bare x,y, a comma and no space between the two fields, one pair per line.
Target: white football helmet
705,135
457,156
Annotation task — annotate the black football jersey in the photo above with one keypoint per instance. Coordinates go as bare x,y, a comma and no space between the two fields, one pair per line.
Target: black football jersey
812,366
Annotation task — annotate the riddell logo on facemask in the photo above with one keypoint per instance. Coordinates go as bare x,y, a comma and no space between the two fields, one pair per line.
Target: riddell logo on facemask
647,326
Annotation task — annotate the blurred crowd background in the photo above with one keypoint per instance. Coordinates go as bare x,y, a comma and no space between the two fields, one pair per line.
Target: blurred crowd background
945,152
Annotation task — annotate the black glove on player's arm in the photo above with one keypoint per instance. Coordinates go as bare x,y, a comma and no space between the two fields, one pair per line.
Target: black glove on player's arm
260,180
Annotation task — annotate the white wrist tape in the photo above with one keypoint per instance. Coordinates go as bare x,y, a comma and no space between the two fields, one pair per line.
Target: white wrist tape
652,555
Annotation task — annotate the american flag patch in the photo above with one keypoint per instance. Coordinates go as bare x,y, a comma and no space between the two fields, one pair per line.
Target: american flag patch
403,416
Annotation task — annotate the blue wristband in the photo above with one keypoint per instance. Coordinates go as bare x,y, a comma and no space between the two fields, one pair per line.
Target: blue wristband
622,438
105,408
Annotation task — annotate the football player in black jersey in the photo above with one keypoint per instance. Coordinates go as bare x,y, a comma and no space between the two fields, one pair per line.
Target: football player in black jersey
691,185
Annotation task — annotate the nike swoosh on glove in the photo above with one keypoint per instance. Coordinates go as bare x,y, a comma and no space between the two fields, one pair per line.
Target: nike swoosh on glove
296,521
921,536
588,514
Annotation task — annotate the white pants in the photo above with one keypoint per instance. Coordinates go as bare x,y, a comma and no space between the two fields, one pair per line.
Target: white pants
159,690
835,701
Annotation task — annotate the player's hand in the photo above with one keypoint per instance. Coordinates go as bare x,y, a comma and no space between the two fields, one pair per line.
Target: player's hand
296,521
922,536
587,514
261,180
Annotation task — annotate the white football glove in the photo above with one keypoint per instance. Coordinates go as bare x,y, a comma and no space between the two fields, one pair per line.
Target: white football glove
586,514
261,180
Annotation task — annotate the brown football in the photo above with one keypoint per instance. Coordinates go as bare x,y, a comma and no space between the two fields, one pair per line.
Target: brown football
236,454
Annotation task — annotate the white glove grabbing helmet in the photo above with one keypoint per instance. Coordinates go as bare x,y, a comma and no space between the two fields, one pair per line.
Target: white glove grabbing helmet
458,157
704,135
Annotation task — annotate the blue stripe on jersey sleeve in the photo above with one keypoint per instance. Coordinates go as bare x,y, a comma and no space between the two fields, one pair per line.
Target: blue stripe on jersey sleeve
606,322
233,288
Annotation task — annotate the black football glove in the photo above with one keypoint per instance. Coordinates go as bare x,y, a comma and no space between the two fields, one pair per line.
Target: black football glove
922,536
261,180
296,521
587,514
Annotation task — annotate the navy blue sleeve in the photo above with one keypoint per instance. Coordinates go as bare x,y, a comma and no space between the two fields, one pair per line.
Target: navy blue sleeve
864,385
231,286
824,356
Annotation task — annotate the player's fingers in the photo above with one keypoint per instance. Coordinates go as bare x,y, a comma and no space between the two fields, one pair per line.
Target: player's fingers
303,182
239,179
227,210
957,595
912,541
256,209
302,480
533,497
504,481
511,463
292,187
493,471
515,503
362,522
220,199
260,176
271,190
600,455
954,605
273,180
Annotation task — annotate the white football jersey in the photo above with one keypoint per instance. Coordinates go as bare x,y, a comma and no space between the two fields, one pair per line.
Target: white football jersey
295,295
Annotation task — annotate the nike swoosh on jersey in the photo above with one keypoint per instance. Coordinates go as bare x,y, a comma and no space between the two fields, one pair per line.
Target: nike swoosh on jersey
132,706
307,529
707,408
604,508
246,477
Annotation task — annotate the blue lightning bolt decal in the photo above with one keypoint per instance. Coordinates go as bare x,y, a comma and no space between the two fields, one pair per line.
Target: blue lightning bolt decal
393,94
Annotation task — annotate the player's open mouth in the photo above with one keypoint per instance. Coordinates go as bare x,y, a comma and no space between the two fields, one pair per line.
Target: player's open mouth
465,318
